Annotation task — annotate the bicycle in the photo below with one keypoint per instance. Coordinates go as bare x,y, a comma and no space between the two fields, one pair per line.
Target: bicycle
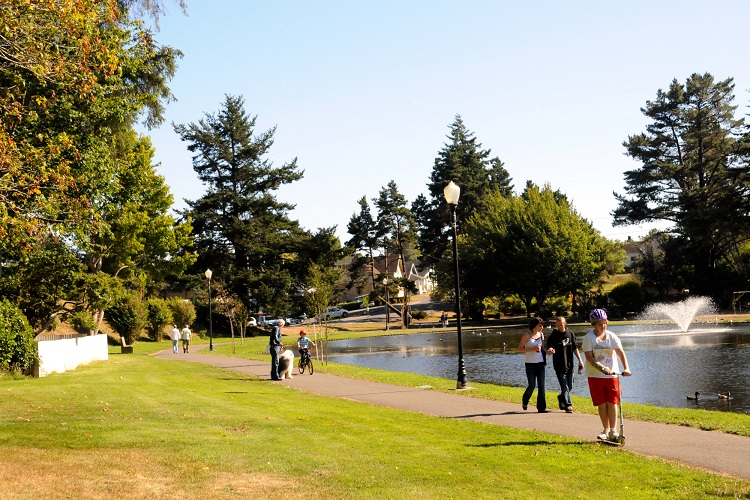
305,361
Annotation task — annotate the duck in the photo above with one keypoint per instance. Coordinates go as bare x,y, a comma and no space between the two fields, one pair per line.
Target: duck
694,397
728,395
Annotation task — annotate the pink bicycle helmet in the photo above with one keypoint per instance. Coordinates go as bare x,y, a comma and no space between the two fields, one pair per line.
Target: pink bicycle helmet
597,315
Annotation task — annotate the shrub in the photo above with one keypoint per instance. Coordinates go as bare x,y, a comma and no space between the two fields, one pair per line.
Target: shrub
350,306
418,314
183,311
628,296
128,316
159,315
83,321
18,351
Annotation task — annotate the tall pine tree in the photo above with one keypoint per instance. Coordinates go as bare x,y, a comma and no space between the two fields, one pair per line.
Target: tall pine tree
694,174
463,161
242,232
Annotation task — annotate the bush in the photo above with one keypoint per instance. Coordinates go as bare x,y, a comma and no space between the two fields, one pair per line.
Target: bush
351,306
18,351
128,316
628,295
418,314
159,315
83,321
183,312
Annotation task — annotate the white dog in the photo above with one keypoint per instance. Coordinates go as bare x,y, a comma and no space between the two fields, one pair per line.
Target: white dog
286,364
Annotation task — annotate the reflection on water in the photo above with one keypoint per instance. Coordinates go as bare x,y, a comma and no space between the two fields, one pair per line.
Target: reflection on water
667,364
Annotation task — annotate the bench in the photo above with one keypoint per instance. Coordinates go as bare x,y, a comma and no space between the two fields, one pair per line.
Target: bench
125,348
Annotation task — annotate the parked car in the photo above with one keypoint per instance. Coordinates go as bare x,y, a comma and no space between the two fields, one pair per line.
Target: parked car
333,313
361,300
266,321
252,322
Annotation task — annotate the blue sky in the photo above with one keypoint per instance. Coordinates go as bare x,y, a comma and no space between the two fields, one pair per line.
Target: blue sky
363,92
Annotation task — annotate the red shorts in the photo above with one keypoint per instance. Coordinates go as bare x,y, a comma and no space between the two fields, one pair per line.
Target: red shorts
604,390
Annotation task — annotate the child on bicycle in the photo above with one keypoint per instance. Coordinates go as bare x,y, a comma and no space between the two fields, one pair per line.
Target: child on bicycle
303,343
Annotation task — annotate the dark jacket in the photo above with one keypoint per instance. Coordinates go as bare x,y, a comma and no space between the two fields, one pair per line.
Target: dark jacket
564,344
275,339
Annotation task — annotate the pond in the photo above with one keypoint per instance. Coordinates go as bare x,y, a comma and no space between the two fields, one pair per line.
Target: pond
667,364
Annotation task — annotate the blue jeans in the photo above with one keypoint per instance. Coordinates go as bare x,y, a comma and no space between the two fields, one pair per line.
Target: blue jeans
275,362
566,385
535,376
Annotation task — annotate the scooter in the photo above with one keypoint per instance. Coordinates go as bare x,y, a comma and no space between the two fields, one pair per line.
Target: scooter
620,441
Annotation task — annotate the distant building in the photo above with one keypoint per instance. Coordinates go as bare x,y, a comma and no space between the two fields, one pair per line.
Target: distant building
632,253
423,281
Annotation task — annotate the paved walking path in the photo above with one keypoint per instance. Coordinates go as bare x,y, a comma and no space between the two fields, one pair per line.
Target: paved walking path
714,451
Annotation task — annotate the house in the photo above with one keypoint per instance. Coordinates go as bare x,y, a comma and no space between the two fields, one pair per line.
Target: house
423,281
632,253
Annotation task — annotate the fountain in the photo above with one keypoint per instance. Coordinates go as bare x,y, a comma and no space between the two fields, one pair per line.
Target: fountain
682,313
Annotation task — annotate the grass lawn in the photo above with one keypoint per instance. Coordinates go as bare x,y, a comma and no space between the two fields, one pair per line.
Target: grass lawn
729,422
137,426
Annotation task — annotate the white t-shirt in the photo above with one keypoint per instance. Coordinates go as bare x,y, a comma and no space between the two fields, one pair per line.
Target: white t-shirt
174,334
533,356
604,353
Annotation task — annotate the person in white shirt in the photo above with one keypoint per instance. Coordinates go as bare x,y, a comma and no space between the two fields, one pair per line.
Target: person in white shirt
175,336
604,358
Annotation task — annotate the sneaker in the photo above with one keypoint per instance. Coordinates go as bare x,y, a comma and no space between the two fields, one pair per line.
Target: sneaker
613,436
568,409
604,435
524,406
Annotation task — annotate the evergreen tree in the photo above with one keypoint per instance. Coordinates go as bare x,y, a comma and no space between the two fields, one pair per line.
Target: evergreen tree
362,245
463,161
398,229
694,174
242,232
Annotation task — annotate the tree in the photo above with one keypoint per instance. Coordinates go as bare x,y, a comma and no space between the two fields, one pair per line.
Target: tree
18,351
463,161
362,245
183,312
136,232
397,228
159,316
694,174
242,232
61,110
128,316
551,248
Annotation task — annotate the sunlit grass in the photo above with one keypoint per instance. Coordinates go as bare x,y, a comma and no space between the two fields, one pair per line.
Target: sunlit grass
729,422
138,426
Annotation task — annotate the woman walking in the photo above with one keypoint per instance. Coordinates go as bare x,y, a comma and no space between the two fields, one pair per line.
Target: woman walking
532,345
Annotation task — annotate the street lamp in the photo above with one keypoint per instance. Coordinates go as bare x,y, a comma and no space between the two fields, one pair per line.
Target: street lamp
208,274
451,193
387,310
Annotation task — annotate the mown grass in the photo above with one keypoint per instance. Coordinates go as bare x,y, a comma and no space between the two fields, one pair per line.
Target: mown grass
138,426
729,422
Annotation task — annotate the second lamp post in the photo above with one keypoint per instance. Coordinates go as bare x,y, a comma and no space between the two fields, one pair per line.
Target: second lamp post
451,193
210,318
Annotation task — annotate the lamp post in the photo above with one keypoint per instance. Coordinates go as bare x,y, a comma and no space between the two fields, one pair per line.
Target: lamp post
451,193
208,274
387,310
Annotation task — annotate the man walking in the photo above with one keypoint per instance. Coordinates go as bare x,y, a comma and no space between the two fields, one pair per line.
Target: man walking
561,344
275,343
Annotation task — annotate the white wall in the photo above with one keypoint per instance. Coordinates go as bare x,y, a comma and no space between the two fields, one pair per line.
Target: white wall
67,354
